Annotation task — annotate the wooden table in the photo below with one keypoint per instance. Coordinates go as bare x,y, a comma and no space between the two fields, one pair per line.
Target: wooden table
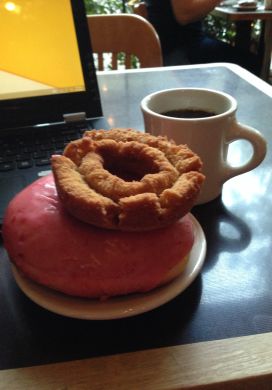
243,21
217,334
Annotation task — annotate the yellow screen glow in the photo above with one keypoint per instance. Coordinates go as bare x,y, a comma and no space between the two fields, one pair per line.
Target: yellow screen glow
38,46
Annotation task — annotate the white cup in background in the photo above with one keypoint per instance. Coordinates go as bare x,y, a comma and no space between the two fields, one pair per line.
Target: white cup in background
207,136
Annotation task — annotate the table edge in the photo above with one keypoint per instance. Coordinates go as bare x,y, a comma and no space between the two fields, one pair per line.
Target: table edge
222,364
228,12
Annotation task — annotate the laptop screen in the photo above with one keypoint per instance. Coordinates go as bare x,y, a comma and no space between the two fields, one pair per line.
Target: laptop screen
29,64
46,64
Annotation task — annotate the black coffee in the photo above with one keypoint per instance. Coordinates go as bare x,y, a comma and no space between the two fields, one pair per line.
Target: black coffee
188,113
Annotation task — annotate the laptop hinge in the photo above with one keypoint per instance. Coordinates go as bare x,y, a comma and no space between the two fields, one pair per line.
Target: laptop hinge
74,117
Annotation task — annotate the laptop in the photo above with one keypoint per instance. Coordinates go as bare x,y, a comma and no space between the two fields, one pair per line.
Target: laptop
48,88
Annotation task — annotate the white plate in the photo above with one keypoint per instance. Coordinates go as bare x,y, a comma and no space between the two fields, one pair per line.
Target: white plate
117,307
245,8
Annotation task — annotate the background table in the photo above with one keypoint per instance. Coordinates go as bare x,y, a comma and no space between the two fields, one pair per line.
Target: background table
219,330
243,21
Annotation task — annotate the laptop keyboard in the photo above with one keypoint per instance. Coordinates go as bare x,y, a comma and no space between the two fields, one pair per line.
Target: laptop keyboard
35,148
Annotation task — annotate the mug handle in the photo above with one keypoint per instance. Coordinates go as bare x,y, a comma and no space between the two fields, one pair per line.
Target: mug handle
240,131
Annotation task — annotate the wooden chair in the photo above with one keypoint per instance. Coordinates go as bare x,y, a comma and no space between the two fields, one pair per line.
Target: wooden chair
124,33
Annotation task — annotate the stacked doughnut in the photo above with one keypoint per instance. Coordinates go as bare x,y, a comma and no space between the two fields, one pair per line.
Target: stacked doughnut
127,180
111,220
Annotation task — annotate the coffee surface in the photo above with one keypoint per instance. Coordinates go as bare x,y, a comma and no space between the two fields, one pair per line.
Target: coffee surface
188,113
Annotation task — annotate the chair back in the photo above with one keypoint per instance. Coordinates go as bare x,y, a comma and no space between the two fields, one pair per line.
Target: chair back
124,33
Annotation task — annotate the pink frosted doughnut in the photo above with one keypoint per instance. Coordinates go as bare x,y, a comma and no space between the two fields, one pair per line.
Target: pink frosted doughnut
56,250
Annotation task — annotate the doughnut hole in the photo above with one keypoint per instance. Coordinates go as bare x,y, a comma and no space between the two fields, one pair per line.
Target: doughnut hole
118,170
129,167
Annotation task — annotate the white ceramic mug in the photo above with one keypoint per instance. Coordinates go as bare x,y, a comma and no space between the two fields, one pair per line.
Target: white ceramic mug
208,136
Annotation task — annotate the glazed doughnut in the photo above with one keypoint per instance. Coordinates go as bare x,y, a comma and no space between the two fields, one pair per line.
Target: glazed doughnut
127,180
58,251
